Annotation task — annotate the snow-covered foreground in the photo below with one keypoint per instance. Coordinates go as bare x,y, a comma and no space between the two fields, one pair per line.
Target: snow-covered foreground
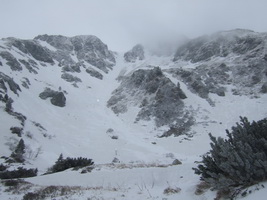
80,129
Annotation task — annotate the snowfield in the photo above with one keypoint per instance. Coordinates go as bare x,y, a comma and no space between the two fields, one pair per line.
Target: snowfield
80,129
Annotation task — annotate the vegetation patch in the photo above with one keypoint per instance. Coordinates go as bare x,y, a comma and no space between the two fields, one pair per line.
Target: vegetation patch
238,161
52,192
18,173
172,190
67,163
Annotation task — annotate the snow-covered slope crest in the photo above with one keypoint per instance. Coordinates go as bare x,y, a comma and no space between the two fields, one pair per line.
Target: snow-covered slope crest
80,48
86,51
236,58
223,44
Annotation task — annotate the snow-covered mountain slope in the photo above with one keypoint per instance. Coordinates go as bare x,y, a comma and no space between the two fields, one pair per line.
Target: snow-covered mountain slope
235,57
74,96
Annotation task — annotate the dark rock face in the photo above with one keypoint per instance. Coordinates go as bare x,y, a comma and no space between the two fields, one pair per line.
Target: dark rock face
205,79
234,57
14,87
264,88
2,86
247,44
11,61
26,83
222,44
70,78
29,66
94,73
87,48
58,41
137,52
157,97
94,51
17,130
72,68
33,48
57,98
73,54
200,88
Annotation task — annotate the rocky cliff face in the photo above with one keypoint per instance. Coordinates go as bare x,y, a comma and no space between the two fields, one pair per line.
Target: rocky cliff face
235,57
136,53
70,52
222,44
157,97
44,67
88,49
73,55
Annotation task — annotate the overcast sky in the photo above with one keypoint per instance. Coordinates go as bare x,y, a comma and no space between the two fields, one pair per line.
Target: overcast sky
123,23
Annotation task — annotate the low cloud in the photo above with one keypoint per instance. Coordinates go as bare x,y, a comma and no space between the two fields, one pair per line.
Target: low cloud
123,23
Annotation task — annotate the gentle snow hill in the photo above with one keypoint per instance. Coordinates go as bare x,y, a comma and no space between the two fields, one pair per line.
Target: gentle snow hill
222,77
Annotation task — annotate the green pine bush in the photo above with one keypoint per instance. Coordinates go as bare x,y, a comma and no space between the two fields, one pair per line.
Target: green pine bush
238,161
17,155
20,172
62,164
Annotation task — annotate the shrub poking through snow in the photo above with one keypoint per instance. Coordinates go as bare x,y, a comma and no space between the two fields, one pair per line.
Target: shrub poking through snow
238,161
17,155
18,173
53,192
2,167
171,190
67,163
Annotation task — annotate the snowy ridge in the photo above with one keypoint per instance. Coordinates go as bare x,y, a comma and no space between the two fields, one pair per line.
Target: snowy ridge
86,126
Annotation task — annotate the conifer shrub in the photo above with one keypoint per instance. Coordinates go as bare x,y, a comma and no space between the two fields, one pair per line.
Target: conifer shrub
238,161
53,192
62,164
17,155
18,173
2,167
14,182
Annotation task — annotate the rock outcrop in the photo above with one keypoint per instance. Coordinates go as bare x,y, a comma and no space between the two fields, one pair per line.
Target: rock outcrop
234,57
157,97
8,81
136,53
57,98
87,48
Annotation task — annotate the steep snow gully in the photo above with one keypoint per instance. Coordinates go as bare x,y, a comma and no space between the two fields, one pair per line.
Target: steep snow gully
143,118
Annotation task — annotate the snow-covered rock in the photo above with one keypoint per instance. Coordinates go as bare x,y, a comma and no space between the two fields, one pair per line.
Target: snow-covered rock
230,57
84,48
157,97
136,53
211,82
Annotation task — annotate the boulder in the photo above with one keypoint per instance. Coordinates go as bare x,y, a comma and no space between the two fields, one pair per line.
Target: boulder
176,162
57,98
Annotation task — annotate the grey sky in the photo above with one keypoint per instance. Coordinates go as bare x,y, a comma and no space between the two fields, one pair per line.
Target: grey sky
123,23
